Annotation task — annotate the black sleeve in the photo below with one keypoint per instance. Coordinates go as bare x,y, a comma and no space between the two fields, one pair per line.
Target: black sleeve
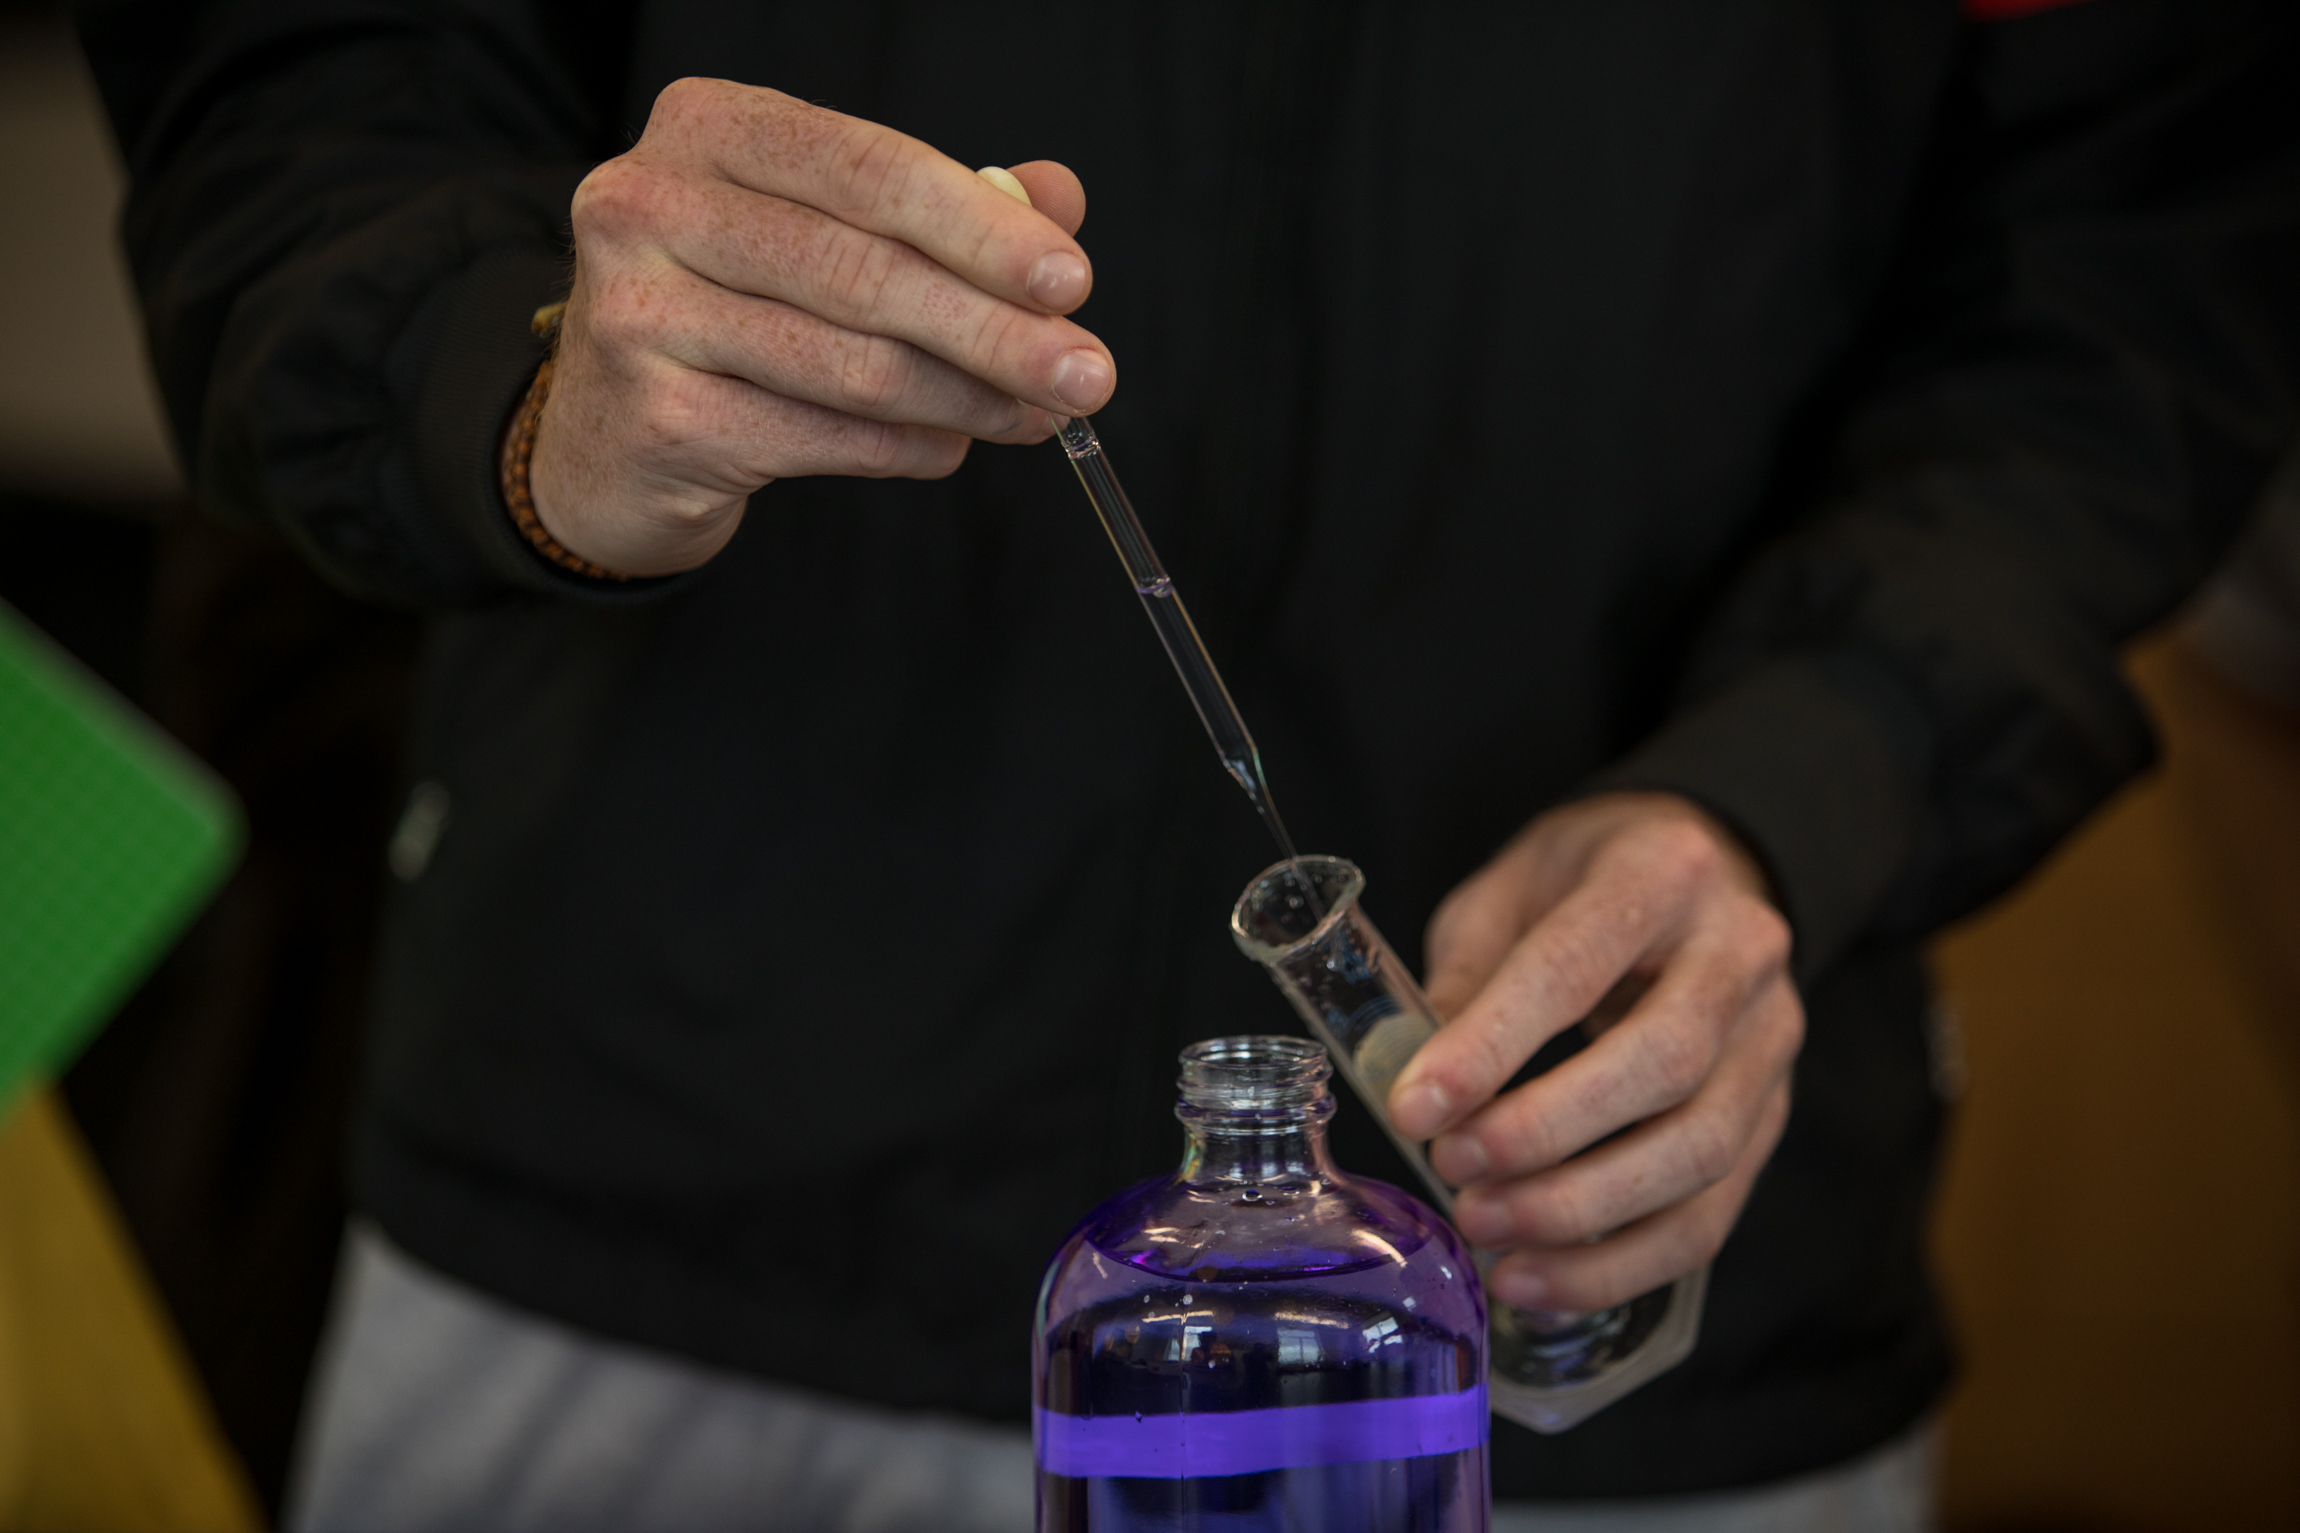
2246,621
2083,379
342,215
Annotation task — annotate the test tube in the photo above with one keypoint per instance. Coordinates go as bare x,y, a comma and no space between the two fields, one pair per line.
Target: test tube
1550,1370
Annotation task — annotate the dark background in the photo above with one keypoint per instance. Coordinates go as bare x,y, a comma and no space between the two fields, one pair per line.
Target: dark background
214,1102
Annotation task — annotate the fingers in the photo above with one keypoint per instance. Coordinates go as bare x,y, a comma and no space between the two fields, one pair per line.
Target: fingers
1645,914
1636,889
705,441
786,350
767,247
767,435
1054,191
1668,1158
881,181
1656,1250
764,289
1657,1057
790,352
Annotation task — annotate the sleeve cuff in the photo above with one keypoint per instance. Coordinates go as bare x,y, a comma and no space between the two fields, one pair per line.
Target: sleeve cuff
1818,762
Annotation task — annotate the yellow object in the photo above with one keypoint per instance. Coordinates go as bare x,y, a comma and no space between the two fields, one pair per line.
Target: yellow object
2119,1231
1005,180
103,1425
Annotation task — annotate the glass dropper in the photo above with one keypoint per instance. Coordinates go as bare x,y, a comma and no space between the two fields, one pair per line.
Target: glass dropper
1232,742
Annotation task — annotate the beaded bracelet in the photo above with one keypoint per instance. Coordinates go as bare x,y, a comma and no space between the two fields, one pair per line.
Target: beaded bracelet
519,455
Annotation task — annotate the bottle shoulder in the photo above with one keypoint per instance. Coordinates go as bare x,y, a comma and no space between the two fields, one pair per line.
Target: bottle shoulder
1174,1298
1266,1231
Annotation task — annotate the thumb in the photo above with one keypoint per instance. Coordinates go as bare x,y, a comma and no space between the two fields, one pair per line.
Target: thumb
1045,185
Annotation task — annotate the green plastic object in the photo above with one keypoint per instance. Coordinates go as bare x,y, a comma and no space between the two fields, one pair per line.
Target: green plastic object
112,838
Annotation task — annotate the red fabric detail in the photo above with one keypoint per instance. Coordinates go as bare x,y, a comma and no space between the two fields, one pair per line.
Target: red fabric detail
2005,10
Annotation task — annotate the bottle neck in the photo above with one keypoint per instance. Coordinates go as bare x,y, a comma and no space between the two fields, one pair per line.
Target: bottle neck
1256,1111
1293,1153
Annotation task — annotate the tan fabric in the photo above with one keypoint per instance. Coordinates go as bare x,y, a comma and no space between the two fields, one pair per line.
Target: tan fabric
2119,1233
103,1428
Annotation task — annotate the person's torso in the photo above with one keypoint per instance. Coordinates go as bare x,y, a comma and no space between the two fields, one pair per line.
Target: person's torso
1463,353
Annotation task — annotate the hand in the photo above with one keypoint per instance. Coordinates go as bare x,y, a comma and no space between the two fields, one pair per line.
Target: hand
1643,900
765,289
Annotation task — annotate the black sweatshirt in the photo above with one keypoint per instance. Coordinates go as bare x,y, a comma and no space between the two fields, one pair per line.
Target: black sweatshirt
1787,403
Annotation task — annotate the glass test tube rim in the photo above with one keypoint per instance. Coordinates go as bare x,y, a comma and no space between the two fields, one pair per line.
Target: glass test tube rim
1338,905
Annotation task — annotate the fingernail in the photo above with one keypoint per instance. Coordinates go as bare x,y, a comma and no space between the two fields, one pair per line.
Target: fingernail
1518,1290
1058,280
1081,380
1484,1220
1423,1106
1459,1158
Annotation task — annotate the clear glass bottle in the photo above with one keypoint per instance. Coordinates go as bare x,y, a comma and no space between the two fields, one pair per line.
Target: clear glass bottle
1551,1369
1258,1341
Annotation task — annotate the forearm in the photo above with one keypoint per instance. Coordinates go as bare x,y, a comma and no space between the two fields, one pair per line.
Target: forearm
1914,694
342,216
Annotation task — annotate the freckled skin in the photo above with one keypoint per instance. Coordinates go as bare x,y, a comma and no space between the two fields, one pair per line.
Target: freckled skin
1644,898
764,290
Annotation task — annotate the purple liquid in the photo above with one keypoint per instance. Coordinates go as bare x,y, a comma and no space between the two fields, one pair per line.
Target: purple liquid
1291,1352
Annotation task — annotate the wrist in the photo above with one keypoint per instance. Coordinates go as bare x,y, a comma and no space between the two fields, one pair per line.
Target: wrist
517,464
559,487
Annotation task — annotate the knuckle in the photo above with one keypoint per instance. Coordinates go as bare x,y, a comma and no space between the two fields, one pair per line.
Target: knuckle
680,98
1764,934
1000,333
880,449
1581,959
682,107
869,165
942,458
886,450
1661,864
617,198
1709,1151
857,271
1479,1170
1559,1215
1489,1061
876,375
1679,1059
1688,854
1525,1139
689,92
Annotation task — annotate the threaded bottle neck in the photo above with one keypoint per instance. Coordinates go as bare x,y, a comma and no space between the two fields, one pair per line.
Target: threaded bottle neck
1256,1110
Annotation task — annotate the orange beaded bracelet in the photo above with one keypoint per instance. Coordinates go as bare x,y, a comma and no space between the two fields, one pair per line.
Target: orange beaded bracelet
519,456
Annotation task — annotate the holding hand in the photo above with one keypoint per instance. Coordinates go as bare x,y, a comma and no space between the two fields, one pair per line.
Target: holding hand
1642,901
765,289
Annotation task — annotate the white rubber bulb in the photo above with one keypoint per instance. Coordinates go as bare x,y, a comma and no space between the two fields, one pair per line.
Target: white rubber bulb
1002,178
